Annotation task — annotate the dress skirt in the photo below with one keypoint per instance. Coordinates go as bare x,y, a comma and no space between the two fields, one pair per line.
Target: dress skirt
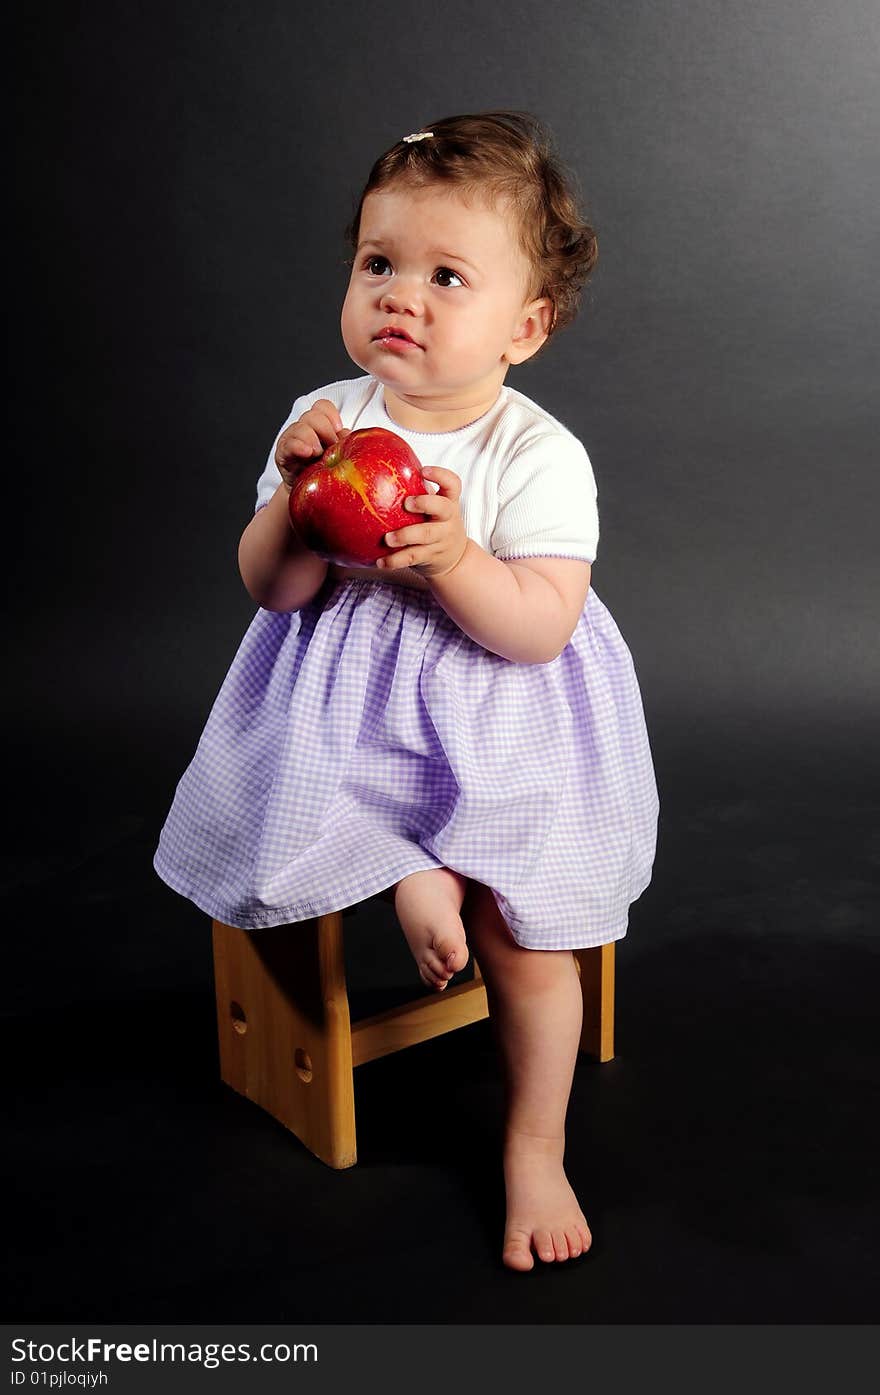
365,737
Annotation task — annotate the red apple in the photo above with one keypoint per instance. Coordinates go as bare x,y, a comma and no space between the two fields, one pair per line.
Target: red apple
343,505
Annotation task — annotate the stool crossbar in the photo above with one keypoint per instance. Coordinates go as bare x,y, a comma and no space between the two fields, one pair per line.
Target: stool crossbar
287,1041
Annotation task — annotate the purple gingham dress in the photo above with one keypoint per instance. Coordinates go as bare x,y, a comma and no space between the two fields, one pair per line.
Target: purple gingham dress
365,737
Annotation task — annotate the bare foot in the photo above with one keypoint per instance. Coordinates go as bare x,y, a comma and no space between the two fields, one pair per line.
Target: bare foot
542,1209
428,905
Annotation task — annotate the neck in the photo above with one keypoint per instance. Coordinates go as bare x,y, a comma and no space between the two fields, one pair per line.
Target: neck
436,415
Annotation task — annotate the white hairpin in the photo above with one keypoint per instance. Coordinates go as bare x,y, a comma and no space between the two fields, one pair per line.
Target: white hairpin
419,135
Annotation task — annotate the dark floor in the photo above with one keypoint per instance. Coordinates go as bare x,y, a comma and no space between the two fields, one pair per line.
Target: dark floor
724,1159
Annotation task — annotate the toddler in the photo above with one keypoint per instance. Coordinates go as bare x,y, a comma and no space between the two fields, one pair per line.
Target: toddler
459,726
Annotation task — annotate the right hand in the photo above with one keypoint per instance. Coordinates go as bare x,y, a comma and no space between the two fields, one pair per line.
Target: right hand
307,439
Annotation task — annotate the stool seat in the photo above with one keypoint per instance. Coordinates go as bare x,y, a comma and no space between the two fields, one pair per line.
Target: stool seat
287,1041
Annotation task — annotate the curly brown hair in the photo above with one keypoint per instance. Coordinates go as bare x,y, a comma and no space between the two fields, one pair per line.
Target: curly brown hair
502,156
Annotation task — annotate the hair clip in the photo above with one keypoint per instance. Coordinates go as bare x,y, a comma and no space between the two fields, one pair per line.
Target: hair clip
419,135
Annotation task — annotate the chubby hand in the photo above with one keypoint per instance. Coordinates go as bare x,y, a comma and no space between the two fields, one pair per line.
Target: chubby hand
306,440
431,548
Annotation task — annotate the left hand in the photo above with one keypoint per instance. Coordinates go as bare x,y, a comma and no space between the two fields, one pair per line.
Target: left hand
431,548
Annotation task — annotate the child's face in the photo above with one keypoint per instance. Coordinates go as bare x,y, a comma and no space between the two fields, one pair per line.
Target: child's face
454,277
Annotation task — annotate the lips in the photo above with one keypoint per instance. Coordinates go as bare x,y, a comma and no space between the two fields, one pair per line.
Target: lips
393,332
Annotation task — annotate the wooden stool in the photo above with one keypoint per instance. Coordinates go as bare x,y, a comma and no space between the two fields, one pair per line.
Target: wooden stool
287,1041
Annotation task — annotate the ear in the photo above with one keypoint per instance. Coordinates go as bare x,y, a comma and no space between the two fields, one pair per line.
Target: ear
531,332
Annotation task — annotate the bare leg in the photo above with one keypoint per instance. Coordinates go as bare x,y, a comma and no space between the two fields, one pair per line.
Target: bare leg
428,906
536,1010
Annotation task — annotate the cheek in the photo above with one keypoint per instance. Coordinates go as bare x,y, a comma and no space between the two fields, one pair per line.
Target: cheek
464,335
349,317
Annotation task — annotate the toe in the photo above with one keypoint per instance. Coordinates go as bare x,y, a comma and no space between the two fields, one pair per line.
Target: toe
451,952
586,1238
560,1244
431,979
574,1241
517,1252
544,1245
435,965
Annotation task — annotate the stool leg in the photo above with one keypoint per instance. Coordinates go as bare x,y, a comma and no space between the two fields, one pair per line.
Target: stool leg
284,1028
596,967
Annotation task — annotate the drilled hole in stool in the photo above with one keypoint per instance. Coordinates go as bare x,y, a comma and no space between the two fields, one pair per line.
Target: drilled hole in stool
303,1063
239,1021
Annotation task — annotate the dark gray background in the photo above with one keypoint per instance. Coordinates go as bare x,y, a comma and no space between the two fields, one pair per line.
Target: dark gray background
184,179
188,172
184,174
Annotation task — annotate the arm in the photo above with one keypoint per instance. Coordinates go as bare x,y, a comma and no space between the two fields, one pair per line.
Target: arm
525,610
278,571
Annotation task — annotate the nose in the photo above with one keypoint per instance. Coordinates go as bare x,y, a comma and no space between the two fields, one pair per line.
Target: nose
401,296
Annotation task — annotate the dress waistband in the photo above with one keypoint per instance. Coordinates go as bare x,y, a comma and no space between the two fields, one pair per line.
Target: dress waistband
402,576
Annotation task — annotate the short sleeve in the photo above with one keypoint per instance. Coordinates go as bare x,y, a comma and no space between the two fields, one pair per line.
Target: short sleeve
271,477
547,501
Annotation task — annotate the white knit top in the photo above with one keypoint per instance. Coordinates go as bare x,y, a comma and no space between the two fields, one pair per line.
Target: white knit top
527,485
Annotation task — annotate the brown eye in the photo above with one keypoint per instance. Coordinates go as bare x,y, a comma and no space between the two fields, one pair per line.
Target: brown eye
447,271
371,262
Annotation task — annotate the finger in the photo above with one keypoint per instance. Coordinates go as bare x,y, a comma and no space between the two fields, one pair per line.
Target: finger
327,423
391,560
433,504
418,535
297,438
299,446
448,480
329,410
316,429
307,440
